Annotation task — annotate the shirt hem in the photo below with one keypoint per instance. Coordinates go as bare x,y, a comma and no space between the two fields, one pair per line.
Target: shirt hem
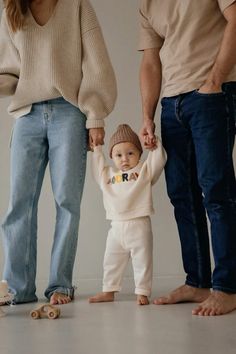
172,93
127,215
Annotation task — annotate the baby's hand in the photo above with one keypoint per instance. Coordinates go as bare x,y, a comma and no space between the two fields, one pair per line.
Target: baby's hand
150,143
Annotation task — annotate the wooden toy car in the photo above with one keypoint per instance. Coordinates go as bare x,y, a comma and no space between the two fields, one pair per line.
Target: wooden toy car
5,300
45,310
5,296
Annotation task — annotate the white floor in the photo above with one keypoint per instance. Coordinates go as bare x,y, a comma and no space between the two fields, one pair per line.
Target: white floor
121,327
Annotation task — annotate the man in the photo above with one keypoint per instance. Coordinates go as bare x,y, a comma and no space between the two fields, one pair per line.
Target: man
190,53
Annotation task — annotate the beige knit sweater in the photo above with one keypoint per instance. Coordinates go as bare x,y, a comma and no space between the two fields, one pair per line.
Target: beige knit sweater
65,57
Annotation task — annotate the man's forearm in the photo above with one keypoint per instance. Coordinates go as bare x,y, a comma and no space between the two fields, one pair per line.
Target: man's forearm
150,84
226,58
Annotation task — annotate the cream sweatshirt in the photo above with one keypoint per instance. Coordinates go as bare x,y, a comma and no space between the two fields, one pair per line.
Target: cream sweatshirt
65,57
128,195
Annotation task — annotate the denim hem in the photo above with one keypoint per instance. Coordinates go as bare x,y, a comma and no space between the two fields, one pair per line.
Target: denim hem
66,291
23,301
199,286
224,289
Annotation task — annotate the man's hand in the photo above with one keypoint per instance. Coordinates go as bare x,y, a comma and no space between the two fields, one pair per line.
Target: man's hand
147,136
225,60
209,88
96,137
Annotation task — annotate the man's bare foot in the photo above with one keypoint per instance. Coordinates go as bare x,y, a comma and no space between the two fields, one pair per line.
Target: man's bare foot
103,297
184,293
59,299
142,300
218,303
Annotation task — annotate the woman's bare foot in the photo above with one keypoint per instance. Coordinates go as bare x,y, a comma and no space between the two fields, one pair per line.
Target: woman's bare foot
59,299
218,303
103,297
184,293
142,300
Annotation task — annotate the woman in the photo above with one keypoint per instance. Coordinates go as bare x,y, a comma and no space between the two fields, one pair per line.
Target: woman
55,64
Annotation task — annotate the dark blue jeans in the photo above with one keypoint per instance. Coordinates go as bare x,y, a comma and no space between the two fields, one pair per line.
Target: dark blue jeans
198,132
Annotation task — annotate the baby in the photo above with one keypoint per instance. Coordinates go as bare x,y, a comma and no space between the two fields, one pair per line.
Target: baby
127,197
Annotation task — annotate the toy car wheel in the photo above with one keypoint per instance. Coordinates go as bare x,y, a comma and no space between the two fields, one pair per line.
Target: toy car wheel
35,314
52,314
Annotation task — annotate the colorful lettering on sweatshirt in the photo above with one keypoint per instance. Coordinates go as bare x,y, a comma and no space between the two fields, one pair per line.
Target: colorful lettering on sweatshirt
124,177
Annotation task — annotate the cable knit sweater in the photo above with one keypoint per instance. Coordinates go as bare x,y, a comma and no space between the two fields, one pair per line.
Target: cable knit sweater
128,195
65,57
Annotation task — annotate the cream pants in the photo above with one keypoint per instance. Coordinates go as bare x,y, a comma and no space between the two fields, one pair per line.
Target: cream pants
131,238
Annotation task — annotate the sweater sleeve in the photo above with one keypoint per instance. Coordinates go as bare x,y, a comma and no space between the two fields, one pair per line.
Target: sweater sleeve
156,161
97,93
9,61
98,163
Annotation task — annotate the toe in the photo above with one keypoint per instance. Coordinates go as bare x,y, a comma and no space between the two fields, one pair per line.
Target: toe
208,311
53,301
161,301
204,312
197,310
212,313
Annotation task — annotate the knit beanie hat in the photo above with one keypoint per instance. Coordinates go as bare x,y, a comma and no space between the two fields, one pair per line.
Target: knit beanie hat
125,134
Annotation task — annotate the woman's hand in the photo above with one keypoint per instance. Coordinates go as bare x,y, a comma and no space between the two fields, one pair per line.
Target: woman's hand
96,137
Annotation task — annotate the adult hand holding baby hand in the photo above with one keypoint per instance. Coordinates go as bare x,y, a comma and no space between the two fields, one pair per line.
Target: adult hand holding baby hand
96,137
147,135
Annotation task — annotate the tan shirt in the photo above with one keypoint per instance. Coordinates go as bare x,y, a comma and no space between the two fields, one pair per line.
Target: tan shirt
128,195
66,57
189,33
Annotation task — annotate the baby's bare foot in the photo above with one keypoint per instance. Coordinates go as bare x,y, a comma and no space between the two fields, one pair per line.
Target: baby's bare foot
184,293
218,303
102,297
59,299
142,300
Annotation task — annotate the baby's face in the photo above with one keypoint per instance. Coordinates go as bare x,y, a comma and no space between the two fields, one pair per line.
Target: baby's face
125,156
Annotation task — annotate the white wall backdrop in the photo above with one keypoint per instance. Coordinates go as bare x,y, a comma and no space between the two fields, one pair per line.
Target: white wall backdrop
119,20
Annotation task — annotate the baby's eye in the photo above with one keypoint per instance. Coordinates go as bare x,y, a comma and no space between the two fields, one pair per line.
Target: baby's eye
118,155
131,153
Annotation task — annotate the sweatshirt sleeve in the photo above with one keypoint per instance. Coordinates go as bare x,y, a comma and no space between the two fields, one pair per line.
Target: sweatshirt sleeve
97,93
98,163
156,161
9,61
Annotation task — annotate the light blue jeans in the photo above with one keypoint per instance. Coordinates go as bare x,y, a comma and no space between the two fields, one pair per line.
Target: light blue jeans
54,131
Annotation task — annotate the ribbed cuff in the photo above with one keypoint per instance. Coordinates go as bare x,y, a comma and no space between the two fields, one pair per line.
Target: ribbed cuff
145,292
107,289
95,123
